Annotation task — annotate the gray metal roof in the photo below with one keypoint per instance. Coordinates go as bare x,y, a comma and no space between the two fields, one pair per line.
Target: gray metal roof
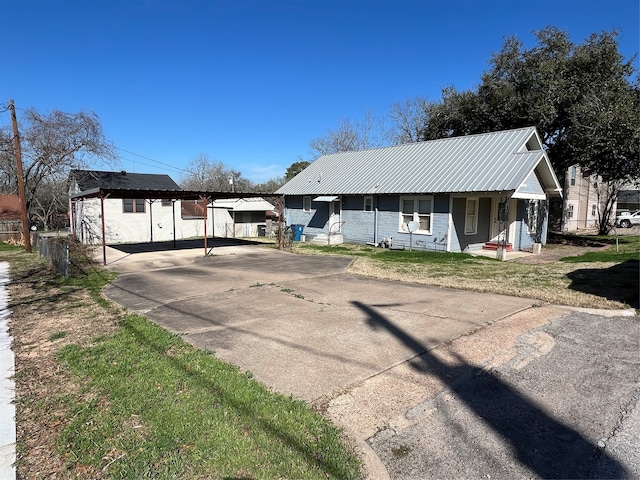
489,162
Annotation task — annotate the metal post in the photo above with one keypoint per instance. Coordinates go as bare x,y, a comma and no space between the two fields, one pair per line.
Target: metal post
173,211
104,242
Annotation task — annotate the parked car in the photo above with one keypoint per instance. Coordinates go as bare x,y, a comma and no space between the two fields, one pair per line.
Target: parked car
626,219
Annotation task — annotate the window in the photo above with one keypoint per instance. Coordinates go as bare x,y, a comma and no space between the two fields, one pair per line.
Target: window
416,209
573,175
133,205
532,216
306,204
593,210
368,204
166,202
569,211
471,217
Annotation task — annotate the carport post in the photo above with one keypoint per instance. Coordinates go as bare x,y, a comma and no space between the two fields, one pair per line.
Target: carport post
173,211
205,200
72,219
104,243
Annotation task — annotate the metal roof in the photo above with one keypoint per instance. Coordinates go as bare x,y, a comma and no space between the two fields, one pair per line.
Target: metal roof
89,179
488,162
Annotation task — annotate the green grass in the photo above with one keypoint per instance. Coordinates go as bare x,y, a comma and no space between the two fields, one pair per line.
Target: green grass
157,407
625,249
604,279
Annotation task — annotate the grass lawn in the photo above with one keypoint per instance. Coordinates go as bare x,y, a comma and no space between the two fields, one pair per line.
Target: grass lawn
101,393
607,278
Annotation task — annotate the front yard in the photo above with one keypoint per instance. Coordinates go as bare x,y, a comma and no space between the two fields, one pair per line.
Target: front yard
101,393
583,276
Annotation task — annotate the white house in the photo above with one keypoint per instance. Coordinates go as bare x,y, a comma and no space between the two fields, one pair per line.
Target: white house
161,217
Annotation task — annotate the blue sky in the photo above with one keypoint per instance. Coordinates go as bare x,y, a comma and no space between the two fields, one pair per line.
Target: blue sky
252,82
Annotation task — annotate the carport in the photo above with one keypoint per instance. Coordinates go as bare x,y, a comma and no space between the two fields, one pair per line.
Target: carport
152,195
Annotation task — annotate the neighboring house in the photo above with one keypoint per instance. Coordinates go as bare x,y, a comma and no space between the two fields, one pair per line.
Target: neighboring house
131,220
580,201
456,194
10,218
581,204
242,217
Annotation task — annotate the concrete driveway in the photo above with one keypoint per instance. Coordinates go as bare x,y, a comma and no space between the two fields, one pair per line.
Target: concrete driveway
409,371
298,323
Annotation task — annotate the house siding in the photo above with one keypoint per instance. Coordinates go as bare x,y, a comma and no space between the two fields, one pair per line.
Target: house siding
484,222
123,227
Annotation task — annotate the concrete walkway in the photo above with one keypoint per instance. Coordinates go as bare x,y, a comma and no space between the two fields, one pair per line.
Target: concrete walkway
7,387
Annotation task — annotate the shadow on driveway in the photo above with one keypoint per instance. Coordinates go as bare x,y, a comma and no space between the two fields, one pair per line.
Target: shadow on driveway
541,443
212,242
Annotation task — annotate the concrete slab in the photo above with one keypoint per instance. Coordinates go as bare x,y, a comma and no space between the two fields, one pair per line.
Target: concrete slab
299,323
7,386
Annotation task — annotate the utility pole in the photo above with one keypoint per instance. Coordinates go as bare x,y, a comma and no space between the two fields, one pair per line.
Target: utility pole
23,206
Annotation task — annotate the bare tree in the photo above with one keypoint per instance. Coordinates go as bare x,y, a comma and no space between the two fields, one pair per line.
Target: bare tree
408,120
351,135
52,144
208,175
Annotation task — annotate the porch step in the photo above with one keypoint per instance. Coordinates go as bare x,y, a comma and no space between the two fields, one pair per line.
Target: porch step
496,245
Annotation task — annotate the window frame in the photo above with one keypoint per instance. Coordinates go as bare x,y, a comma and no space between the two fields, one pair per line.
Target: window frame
135,204
368,204
574,174
474,215
570,210
416,215
306,203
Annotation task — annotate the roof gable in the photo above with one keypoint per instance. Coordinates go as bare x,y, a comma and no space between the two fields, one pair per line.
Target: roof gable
92,179
496,161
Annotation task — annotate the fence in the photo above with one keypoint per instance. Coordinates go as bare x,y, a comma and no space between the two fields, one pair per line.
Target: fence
56,250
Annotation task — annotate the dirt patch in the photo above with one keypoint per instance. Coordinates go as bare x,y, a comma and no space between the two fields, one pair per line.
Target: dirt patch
39,329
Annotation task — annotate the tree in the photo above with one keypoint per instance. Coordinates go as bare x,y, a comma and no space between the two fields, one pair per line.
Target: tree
351,135
52,144
208,175
579,97
295,168
408,119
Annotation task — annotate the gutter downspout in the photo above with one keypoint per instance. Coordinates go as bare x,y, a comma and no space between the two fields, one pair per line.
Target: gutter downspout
375,221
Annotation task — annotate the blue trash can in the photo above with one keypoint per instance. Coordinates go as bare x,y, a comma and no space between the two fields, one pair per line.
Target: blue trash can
297,232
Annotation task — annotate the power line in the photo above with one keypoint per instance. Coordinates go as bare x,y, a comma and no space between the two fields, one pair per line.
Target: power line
154,161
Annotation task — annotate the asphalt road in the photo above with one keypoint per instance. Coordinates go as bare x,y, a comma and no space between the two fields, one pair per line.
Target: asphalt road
565,406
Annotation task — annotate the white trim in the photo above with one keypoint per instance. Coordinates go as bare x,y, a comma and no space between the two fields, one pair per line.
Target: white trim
474,229
402,227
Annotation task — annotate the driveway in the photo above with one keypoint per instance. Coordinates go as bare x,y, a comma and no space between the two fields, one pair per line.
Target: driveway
298,323
433,383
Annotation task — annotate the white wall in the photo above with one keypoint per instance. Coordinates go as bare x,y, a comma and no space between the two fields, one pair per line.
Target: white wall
123,227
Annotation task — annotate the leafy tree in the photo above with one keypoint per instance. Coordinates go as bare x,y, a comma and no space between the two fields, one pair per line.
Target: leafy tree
580,97
52,144
295,168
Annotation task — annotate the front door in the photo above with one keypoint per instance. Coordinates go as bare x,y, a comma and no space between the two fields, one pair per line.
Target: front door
335,221
506,227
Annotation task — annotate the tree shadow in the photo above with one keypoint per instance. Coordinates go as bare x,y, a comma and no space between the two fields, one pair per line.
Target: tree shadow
540,442
621,282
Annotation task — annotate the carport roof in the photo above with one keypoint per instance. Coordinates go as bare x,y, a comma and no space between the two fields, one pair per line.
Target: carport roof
101,184
161,194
